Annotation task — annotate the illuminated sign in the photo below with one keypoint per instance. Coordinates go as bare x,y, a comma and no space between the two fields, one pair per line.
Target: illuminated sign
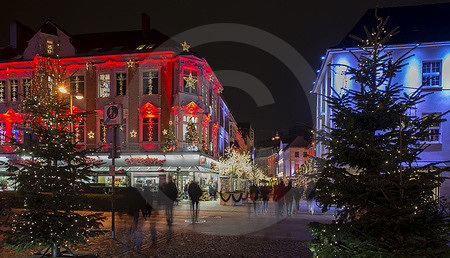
144,161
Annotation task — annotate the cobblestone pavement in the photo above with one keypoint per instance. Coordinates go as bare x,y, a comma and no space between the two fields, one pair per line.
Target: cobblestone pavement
226,231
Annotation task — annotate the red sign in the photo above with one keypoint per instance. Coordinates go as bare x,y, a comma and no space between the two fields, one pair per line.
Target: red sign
144,161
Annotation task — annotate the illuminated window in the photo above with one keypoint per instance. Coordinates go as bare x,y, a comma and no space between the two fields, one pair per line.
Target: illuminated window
77,84
50,47
26,84
305,154
434,129
121,84
150,82
190,81
185,124
431,74
2,90
150,130
104,85
14,89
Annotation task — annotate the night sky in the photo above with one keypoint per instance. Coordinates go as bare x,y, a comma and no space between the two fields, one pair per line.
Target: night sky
308,26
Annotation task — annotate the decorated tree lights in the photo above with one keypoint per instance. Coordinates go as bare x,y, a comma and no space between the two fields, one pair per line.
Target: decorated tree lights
191,135
170,143
234,165
384,199
49,184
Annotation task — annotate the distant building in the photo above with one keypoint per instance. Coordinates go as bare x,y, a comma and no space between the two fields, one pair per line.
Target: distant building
292,154
423,28
266,158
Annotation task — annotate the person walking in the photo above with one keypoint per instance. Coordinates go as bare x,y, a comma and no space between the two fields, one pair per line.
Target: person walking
297,195
185,191
289,197
195,193
254,196
278,196
170,196
310,198
265,191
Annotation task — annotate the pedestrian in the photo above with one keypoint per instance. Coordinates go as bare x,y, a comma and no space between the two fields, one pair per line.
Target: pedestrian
254,196
310,198
195,193
278,196
185,191
289,198
297,195
265,191
212,192
170,196
147,194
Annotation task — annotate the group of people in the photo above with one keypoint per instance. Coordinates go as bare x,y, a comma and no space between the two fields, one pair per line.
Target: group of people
169,194
287,197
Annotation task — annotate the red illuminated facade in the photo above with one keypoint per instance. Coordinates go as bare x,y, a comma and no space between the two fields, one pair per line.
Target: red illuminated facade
158,84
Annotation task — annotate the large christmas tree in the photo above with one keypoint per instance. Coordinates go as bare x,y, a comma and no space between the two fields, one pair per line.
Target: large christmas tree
385,203
50,182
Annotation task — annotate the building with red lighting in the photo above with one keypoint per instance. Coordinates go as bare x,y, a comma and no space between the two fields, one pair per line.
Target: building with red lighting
159,83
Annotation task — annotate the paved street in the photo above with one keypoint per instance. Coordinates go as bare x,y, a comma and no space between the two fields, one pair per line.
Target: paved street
223,231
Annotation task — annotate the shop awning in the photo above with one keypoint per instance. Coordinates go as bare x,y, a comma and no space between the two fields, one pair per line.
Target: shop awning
161,169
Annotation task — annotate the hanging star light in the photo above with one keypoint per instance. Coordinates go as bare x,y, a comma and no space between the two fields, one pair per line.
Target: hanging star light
164,132
130,63
91,135
212,78
133,134
185,46
170,122
190,81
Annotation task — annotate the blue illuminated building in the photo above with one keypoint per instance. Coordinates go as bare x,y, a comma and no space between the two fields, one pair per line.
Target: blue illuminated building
425,28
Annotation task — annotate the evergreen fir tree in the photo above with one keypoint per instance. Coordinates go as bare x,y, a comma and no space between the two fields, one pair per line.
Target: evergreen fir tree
170,143
385,203
191,132
50,182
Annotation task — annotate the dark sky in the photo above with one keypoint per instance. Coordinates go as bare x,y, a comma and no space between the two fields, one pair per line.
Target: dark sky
308,26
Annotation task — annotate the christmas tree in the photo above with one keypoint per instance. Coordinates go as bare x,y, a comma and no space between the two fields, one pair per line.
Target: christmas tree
191,132
385,204
170,143
50,183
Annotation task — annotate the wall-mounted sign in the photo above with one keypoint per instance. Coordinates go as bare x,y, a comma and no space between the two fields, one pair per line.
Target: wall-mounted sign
113,114
144,161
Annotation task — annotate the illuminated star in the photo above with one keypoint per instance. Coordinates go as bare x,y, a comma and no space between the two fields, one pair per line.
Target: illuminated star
130,63
164,131
91,135
133,134
190,81
211,78
170,123
185,46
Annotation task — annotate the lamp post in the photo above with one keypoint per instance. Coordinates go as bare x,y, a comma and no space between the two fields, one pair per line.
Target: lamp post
71,95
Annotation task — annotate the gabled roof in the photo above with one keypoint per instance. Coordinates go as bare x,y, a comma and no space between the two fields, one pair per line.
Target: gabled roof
418,24
298,142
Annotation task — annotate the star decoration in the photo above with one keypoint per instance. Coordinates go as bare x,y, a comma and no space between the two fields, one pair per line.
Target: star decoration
91,135
133,134
88,65
212,78
164,132
130,63
185,46
190,81
170,123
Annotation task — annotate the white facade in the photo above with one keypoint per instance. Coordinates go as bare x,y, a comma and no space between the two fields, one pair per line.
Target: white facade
417,70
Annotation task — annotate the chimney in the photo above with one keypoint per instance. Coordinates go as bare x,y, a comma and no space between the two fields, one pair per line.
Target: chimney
145,25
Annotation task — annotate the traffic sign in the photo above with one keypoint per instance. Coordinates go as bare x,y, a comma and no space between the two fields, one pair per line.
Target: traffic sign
113,114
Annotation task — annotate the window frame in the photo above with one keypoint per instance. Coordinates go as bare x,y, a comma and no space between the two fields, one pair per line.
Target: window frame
116,80
100,85
144,124
431,74
434,127
11,89
157,71
197,77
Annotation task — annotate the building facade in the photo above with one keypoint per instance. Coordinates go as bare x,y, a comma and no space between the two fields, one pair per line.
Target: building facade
429,68
292,154
160,84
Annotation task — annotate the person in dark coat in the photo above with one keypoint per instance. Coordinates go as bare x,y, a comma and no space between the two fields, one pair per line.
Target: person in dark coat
170,196
297,195
265,191
254,196
195,192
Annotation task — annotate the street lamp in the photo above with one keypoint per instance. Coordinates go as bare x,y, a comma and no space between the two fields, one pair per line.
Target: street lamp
71,95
